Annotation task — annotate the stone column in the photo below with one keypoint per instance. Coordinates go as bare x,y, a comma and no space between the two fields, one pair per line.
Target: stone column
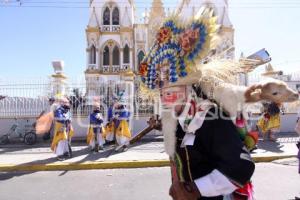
131,59
110,59
97,58
59,84
121,57
130,97
87,58
100,56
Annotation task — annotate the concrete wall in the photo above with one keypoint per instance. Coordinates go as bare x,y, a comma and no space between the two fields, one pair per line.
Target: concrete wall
79,124
288,123
6,123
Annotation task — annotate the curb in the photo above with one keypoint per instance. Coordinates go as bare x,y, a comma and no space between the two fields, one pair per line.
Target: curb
110,164
86,165
260,159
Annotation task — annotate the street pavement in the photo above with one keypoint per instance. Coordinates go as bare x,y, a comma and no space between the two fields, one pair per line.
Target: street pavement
273,181
147,153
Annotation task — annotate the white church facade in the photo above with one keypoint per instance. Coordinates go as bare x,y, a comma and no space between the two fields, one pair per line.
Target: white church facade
117,43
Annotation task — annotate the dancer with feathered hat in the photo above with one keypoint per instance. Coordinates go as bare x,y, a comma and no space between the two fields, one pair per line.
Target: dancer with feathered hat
199,104
121,122
63,131
96,133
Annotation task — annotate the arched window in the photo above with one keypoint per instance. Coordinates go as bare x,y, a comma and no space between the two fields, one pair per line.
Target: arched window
126,57
93,55
116,17
116,56
106,56
106,16
141,56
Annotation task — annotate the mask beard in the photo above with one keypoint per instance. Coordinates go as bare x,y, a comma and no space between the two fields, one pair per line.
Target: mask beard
169,125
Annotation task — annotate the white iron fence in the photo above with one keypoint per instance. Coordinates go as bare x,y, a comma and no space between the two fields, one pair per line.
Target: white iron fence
30,98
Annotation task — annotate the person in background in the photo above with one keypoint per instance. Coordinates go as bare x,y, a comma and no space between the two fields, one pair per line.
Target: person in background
63,131
269,123
121,119
95,137
110,126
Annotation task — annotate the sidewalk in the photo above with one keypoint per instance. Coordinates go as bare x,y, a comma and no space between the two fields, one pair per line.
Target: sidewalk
147,153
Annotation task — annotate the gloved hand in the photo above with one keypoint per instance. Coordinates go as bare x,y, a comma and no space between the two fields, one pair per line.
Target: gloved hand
184,191
99,116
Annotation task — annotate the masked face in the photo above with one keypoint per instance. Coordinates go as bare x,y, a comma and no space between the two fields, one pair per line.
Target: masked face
66,107
97,110
173,95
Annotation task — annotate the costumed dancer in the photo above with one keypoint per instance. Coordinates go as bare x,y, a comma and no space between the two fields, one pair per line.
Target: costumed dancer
269,123
121,119
63,131
110,126
208,159
96,133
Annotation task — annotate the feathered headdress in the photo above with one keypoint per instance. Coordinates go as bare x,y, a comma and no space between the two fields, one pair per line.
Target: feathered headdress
178,47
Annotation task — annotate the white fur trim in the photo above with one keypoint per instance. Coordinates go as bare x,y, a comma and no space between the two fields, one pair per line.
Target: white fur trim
231,98
169,123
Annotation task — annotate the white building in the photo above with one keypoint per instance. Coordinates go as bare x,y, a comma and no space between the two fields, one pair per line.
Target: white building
116,44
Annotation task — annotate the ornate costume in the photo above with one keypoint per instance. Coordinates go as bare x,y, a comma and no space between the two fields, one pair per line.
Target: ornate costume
96,131
63,132
208,150
270,122
123,133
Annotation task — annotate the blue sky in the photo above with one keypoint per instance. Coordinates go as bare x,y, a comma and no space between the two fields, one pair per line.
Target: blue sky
30,38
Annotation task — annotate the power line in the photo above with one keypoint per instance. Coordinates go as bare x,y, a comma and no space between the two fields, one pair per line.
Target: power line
281,2
141,5
143,2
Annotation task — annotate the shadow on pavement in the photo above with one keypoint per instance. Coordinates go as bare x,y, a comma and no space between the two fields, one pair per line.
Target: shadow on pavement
9,175
274,147
90,156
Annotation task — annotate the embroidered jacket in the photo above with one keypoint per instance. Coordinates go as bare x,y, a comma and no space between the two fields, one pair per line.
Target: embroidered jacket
216,151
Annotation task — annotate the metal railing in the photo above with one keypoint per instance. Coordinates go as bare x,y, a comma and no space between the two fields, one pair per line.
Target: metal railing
116,68
110,28
92,66
115,28
105,28
22,107
29,100
125,67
